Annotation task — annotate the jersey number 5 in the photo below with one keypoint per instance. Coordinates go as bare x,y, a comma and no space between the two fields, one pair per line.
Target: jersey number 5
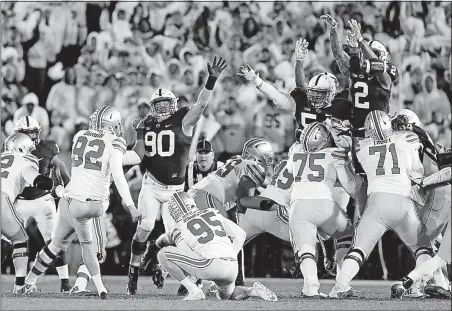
7,161
154,142
203,227
382,151
307,118
315,168
361,95
91,157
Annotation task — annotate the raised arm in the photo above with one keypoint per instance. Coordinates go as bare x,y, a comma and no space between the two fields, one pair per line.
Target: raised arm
282,100
195,112
301,51
340,56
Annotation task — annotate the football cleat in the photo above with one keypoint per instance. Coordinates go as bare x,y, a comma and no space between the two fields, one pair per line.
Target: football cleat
132,284
435,291
65,287
264,292
197,295
213,291
76,290
397,291
158,276
415,290
182,291
26,289
103,295
349,293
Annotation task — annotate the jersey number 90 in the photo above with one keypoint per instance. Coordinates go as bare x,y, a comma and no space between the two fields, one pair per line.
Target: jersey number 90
162,143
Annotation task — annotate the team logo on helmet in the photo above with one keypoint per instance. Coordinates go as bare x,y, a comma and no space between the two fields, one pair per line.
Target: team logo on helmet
315,137
259,149
106,119
378,125
19,143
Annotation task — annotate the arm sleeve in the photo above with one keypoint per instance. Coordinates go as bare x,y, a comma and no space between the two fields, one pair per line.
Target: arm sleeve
237,234
282,100
439,177
116,161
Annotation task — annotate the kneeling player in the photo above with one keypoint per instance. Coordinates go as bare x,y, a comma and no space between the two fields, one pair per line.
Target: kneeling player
316,167
205,244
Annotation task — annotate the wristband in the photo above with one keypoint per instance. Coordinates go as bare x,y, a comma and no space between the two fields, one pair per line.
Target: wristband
210,83
258,82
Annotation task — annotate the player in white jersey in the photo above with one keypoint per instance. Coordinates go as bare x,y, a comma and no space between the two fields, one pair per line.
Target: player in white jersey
204,244
19,169
427,269
391,161
97,155
316,165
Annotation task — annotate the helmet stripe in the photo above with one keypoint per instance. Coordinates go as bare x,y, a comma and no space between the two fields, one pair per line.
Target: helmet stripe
160,92
179,202
28,121
318,78
308,132
99,115
250,143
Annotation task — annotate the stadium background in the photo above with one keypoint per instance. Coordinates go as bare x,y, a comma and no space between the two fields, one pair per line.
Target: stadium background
78,56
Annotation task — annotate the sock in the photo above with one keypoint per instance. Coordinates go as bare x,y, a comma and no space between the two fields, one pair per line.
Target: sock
426,268
349,270
63,272
20,261
83,277
189,284
343,245
308,268
43,261
97,279
138,249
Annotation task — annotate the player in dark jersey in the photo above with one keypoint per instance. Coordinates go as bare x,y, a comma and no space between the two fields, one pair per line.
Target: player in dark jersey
39,204
165,138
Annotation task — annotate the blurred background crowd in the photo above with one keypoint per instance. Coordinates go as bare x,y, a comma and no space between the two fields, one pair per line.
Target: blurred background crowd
62,60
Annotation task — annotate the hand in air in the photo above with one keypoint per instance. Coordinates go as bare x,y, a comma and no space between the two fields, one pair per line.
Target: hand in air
351,39
301,49
329,20
355,29
217,67
248,73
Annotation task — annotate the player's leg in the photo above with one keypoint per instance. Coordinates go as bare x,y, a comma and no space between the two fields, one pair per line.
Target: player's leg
304,218
61,237
14,230
82,214
149,207
436,211
370,229
98,246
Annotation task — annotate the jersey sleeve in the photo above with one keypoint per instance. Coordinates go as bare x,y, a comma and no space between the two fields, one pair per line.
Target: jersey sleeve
120,144
255,172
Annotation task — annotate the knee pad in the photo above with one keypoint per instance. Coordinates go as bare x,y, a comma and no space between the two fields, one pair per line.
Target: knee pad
357,255
305,252
146,225
20,250
423,251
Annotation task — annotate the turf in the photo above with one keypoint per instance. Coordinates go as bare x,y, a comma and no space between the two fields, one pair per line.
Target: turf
375,297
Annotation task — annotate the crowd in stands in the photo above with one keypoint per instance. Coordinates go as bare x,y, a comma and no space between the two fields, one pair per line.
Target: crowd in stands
62,60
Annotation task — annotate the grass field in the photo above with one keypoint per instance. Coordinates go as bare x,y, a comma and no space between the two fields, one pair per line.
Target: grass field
375,297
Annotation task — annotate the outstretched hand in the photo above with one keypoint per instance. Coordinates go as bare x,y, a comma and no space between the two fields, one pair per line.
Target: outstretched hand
301,49
248,73
329,20
355,29
217,68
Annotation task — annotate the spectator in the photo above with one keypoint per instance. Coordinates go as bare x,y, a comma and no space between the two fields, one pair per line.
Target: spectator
142,110
30,107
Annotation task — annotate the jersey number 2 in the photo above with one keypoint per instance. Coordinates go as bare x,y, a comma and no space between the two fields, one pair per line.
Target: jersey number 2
155,142
91,157
362,95
382,151
7,161
203,228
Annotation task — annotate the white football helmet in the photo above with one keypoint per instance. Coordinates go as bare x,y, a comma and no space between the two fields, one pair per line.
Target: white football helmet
410,115
28,126
379,50
260,150
315,137
163,104
378,125
180,204
19,143
321,90
106,119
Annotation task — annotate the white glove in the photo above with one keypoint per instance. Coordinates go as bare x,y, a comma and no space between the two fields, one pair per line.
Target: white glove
351,39
329,20
250,75
301,49
355,29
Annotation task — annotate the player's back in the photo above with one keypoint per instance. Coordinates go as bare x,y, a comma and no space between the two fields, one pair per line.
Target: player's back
387,163
91,171
314,172
166,149
280,188
205,234
13,182
368,94
223,183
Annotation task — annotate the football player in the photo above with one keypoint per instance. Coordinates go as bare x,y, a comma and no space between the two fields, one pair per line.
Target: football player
205,244
20,168
97,155
316,165
391,162
167,138
38,204
441,259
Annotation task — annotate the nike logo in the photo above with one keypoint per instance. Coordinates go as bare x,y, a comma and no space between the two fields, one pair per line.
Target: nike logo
168,125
